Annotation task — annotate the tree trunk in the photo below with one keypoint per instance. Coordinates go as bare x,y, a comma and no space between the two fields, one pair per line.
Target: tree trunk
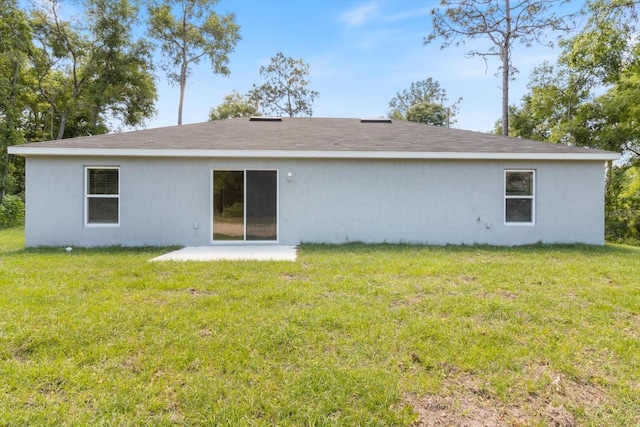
183,84
96,112
505,95
504,54
76,92
63,122
9,122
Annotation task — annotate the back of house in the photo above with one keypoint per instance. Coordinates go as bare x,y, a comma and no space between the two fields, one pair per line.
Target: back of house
293,180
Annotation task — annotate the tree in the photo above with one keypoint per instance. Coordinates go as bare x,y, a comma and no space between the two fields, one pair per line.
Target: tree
622,213
195,32
122,85
424,103
64,47
430,114
93,72
591,96
234,105
68,77
607,49
286,88
15,42
502,23
546,113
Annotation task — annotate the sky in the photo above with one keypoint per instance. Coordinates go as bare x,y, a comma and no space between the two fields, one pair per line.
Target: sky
361,53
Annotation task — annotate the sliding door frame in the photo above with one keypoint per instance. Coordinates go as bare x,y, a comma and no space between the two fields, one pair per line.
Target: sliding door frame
244,240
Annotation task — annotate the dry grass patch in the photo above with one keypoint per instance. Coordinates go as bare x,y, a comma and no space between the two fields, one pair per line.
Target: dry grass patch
467,402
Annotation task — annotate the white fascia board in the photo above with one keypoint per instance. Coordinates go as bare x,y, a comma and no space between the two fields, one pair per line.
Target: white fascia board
297,154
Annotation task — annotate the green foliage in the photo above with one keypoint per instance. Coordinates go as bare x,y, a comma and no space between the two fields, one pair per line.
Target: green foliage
546,113
123,85
286,89
349,335
424,103
11,211
15,43
431,114
75,76
234,211
189,31
234,105
610,121
623,205
608,51
62,78
591,97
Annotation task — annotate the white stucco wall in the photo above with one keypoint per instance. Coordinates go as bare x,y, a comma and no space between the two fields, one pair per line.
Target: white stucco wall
426,201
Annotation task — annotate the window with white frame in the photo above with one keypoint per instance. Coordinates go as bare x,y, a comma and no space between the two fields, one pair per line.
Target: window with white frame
102,195
519,196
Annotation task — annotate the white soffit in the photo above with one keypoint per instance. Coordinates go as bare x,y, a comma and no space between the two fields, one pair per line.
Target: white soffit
293,154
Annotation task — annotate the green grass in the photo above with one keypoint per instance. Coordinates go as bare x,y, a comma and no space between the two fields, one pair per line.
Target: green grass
347,335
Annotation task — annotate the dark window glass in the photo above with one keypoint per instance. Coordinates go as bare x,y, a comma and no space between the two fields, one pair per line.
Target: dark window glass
262,205
103,181
519,195
228,205
102,210
519,210
102,196
519,183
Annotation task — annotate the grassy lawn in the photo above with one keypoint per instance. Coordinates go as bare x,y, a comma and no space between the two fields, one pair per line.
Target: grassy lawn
347,335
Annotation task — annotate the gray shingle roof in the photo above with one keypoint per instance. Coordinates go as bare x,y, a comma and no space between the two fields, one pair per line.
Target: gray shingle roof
311,134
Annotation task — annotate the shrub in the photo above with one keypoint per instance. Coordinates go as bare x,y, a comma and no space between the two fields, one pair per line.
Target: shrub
11,211
233,211
622,208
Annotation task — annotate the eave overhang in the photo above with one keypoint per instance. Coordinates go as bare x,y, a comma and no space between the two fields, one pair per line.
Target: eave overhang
293,154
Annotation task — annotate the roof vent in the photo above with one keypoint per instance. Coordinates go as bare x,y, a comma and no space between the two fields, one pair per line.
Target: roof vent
265,119
375,120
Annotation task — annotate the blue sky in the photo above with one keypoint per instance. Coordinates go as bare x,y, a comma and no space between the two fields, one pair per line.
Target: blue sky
361,53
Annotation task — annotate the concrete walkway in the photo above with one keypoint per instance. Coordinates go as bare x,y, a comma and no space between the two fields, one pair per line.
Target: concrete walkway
233,253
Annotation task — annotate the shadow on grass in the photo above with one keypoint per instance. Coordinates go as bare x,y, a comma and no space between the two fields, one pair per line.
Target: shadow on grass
360,247
115,250
12,245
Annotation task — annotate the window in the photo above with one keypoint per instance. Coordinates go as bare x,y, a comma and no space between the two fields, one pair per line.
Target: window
102,196
519,194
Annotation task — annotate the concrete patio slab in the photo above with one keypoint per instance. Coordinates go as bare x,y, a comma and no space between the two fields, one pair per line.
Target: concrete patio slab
232,253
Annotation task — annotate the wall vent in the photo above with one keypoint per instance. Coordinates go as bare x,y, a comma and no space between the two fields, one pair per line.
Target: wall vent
265,119
375,120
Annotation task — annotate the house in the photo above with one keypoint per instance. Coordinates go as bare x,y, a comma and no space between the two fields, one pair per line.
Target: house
292,180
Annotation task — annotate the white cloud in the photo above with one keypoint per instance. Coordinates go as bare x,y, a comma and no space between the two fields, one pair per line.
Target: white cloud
411,14
65,10
359,16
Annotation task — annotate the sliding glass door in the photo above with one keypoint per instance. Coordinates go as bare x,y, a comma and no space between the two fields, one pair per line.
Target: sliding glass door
261,210
245,205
